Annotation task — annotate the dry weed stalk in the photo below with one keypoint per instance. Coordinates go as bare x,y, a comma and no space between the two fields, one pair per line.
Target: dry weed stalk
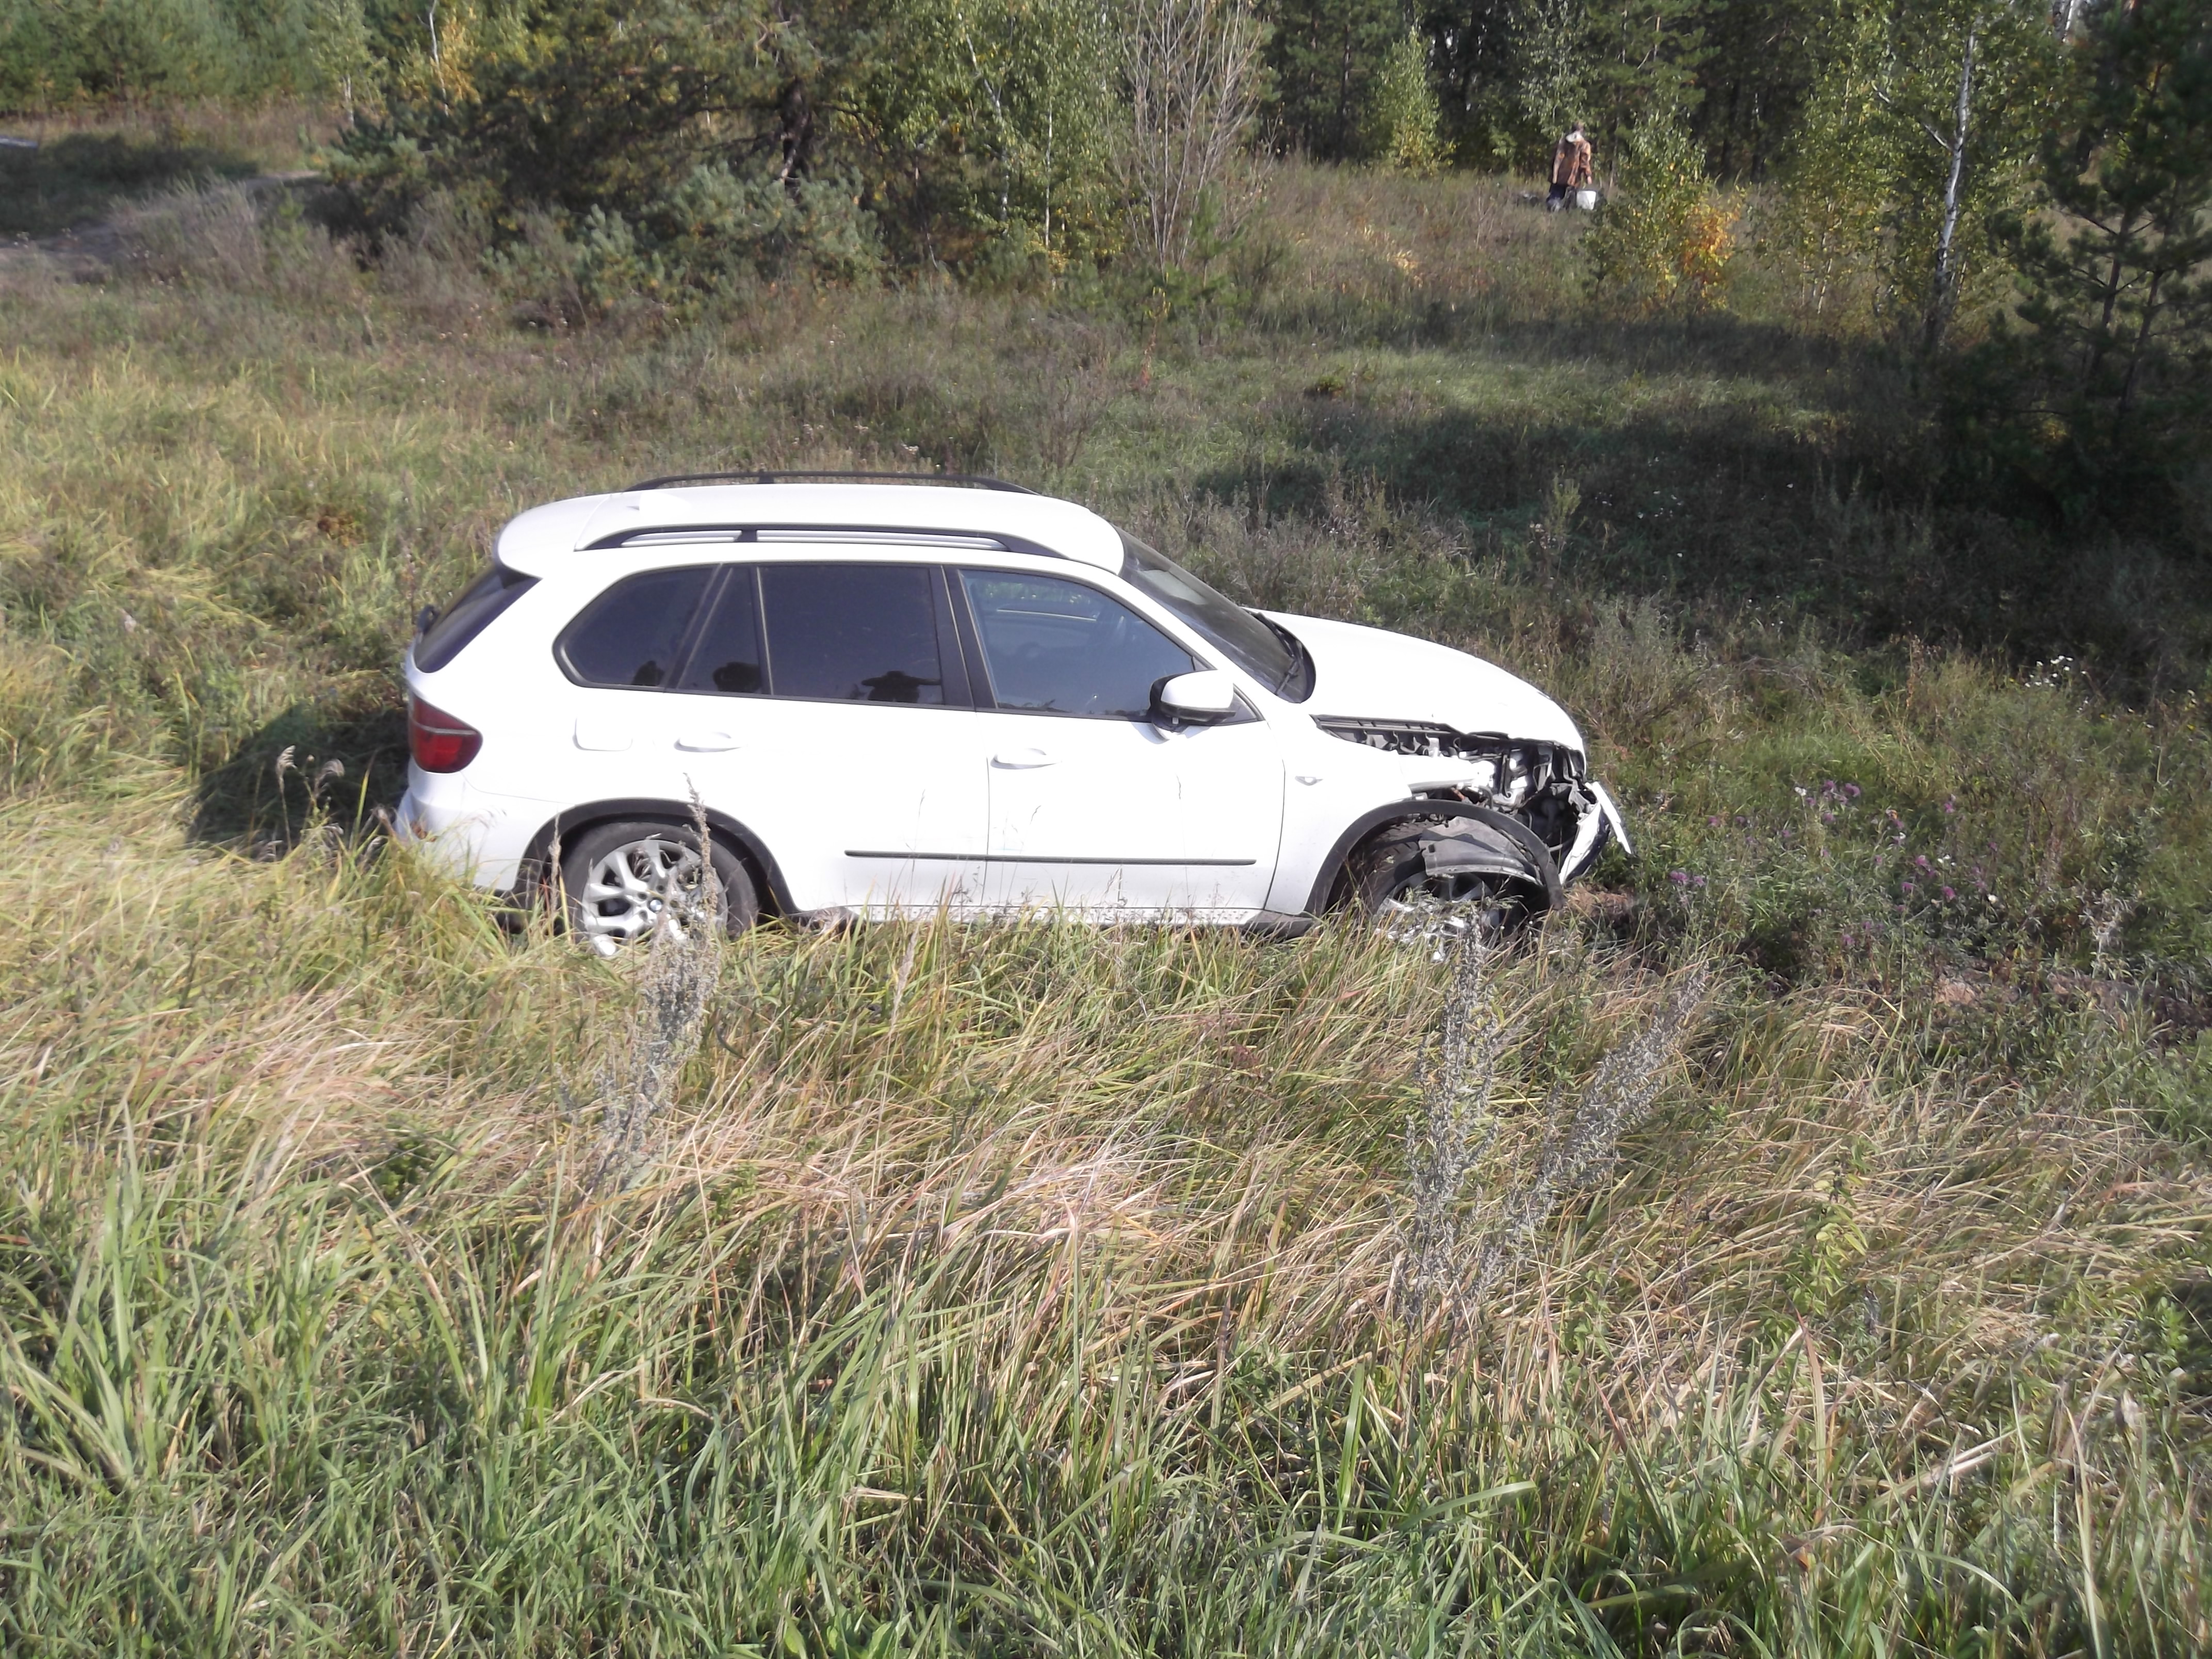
1447,1271
682,965
1581,1147
1448,1133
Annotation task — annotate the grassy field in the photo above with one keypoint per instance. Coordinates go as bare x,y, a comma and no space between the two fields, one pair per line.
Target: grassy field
1033,1290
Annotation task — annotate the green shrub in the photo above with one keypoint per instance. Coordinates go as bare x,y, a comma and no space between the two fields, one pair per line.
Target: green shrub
1409,126
58,51
1667,240
615,155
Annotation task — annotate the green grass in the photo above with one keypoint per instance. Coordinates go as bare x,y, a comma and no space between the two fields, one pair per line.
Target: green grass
1034,1289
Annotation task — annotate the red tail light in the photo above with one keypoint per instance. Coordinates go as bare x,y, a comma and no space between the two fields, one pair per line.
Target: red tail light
439,742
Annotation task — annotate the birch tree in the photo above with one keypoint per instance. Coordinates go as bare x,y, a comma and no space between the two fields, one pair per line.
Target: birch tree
1193,72
1960,86
1920,129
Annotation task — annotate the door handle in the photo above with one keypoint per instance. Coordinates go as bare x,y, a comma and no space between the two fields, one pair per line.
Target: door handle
708,742
609,736
1019,760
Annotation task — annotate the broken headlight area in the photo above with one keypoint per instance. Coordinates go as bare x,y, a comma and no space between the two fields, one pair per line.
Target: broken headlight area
1544,784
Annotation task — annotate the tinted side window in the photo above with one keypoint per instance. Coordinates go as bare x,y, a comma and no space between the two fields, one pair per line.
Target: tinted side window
629,635
1062,648
468,615
860,633
728,656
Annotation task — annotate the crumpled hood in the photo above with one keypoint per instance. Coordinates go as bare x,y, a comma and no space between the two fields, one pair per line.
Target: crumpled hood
1376,675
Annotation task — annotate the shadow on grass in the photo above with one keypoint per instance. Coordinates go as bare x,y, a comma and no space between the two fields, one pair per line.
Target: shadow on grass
84,176
307,766
1565,327
1818,499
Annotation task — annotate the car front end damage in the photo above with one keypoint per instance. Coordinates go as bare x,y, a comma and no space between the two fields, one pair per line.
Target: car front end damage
1469,781
1541,784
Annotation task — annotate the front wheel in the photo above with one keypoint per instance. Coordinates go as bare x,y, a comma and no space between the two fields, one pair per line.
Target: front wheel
1390,880
620,881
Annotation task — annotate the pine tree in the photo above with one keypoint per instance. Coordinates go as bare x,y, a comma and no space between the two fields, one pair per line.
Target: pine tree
2117,272
1408,126
1645,55
1471,48
1757,74
1323,58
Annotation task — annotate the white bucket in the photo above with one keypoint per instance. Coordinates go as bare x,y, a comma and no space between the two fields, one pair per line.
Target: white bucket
1586,199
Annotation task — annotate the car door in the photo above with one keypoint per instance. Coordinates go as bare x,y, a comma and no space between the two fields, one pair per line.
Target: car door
612,724
1092,808
825,705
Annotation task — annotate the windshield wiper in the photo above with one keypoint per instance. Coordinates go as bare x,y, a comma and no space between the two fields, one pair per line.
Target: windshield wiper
1300,657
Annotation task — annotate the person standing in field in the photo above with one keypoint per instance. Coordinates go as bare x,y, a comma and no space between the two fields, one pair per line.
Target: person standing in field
1571,166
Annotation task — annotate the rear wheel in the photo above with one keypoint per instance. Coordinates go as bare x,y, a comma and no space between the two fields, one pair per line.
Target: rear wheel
620,881
1390,880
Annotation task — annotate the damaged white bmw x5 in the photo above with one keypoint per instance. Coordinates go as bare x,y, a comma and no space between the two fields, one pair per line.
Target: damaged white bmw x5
895,697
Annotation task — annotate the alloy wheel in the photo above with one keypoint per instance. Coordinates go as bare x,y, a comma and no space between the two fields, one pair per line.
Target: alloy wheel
641,884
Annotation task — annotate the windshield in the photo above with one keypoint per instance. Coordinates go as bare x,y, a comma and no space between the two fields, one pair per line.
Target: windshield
1270,654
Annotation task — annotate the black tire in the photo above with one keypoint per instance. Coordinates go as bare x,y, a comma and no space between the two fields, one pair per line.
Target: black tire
1387,869
616,878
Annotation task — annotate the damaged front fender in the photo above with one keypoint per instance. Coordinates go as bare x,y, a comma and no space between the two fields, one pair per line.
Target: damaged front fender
1542,783
1478,842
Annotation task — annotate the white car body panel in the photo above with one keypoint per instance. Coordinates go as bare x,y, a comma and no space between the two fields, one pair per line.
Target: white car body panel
899,825
1114,817
1370,672
883,809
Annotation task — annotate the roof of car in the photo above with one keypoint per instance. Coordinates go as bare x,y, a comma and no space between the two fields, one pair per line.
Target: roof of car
548,537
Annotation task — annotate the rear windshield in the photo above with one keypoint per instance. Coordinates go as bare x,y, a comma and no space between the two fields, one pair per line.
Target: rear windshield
1269,654
467,616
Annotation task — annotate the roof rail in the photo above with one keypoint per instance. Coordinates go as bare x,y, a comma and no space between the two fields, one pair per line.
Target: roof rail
955,480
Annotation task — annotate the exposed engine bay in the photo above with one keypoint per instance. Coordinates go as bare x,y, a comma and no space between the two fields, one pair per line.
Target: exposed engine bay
1544,784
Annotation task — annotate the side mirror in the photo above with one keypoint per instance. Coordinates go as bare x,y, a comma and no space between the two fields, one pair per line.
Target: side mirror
1206,697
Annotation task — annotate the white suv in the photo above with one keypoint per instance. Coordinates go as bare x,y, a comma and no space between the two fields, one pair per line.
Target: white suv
895,697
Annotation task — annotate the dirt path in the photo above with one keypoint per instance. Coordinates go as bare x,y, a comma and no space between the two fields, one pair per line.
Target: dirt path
89,251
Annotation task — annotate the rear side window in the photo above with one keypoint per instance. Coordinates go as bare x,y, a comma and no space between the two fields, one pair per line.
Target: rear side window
728,656
1056,648
630,635
852,633
468,617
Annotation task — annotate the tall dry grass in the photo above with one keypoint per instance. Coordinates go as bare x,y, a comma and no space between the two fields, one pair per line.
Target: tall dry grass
1031,1287
1039,1288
